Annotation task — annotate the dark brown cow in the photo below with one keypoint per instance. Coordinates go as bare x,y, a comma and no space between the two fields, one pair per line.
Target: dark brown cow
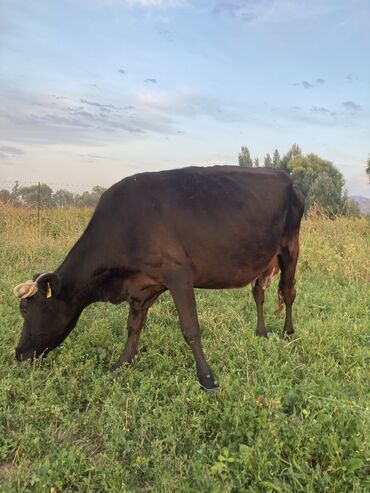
217,227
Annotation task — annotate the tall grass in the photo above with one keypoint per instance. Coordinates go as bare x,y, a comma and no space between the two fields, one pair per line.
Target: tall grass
289,415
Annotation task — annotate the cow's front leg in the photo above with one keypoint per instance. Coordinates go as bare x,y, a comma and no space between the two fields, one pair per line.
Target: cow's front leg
135,322
181,288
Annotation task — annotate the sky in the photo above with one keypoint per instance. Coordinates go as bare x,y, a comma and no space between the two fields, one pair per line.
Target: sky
95,90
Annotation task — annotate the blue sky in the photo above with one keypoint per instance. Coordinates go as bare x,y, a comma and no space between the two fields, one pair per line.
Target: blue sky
95,90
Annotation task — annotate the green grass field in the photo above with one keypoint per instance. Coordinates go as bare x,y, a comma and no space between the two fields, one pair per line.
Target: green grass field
289,416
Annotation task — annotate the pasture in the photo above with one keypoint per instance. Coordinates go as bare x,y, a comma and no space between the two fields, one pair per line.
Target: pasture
289,416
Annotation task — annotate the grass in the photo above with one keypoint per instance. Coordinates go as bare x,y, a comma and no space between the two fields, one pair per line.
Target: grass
290,416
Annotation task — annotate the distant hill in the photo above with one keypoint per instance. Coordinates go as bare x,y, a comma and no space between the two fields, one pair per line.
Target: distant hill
363,203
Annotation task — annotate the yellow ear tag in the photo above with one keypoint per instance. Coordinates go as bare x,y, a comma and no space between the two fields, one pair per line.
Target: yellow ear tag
49,294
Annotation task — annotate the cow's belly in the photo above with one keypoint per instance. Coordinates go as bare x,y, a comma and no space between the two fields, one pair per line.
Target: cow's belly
228,274
217,261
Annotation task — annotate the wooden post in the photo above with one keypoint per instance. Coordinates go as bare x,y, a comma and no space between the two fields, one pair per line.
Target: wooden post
38,205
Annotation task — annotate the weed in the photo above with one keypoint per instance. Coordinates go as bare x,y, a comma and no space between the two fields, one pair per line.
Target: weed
289,415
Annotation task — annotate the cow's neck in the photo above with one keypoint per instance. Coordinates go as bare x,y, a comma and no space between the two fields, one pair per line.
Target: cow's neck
88,273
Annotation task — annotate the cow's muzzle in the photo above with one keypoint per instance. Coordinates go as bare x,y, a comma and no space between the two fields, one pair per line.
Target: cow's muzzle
22,355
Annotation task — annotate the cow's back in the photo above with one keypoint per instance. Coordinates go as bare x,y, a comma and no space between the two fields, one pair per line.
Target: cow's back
224,221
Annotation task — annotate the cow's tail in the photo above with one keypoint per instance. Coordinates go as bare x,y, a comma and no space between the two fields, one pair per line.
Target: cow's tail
290,234
280,299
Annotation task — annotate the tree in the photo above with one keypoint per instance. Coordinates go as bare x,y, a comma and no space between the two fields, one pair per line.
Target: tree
256,162
5,196
294,151
320,181
351,208
30,195
15,191
268,161
284,162
276,159
90,199
244,158
324,192
368,167
63,198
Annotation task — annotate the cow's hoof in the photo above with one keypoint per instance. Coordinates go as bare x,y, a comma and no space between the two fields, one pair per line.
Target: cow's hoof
207,383
211,390
117,365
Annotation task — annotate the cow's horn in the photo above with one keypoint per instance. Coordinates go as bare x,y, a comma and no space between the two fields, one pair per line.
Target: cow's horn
26,289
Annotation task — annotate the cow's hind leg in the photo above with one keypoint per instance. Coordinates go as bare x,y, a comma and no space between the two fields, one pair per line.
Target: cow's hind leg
135,322
259,297
182,291
288,262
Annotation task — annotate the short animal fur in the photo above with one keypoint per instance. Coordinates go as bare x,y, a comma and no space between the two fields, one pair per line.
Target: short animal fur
214,227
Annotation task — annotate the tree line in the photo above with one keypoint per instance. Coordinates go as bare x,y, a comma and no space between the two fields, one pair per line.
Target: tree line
320,181
44,197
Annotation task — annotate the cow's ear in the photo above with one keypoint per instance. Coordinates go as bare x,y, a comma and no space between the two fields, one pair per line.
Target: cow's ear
49,284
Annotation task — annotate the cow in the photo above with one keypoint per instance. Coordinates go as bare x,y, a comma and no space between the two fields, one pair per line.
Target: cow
197,227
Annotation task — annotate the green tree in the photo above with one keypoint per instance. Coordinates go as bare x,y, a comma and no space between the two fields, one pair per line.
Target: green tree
63,198
319,180
256,162
267,161
90,199
276,159
5,196
15,191
350,207
244,158
294,151
30,195
324,192
285,161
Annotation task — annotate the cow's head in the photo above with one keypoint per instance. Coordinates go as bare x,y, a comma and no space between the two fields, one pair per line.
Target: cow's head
48,316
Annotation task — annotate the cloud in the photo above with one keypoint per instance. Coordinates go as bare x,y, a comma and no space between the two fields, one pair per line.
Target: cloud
304,83
122,71
235,10
322,110
52,119
351,106
185,104
349,78
150,81
277,11
155,3
99,105
56,119
164,32
228,8
307,85
8,152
